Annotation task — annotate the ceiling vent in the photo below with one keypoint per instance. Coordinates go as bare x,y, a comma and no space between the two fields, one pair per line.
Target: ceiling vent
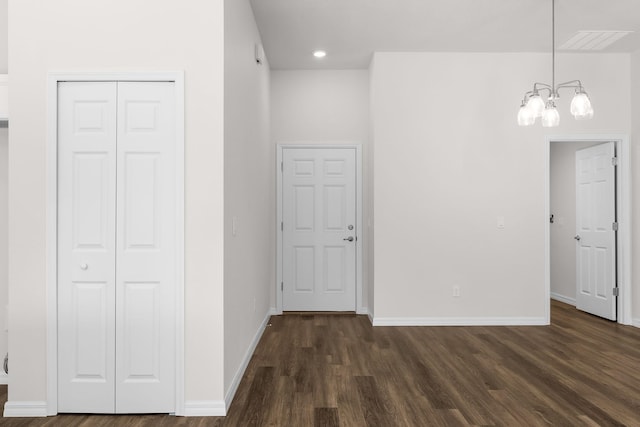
593,40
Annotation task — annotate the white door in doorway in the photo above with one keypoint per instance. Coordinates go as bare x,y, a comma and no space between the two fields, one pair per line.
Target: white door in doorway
116,247
319,229
595,230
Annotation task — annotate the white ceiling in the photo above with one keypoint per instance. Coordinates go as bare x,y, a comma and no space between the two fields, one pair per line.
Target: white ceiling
350,30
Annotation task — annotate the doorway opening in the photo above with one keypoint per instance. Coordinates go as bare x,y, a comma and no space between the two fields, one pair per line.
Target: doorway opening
319,228
562,241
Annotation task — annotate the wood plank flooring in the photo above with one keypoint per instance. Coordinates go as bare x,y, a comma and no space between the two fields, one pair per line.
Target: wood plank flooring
329,370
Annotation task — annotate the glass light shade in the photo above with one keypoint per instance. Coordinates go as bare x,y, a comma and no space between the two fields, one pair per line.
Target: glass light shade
525,116
581,106
536,105
551,117
587,116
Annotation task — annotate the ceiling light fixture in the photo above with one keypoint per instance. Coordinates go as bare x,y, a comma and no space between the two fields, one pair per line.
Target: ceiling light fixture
533,106
319,53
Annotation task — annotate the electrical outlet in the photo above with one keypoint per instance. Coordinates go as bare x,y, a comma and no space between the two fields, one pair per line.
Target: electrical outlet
456,291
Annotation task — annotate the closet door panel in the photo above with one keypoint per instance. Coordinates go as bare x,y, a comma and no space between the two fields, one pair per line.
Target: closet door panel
86,246
146,275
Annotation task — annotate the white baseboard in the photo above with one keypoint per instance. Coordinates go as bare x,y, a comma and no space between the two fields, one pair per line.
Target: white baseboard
562,298
459,321
205,408
25,409
636,322
370,314
4,378
231,392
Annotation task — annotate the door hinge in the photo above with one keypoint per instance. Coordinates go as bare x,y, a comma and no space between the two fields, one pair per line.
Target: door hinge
282,286
616,292
614,161
614,226
281,166
281,226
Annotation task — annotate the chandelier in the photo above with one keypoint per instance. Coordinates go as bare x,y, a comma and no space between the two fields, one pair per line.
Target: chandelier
534,106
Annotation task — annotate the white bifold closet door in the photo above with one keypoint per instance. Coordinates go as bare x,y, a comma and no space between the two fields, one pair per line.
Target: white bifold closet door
116,247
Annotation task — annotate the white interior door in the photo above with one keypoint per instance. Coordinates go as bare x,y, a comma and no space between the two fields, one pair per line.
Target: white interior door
595,233
319,229
116,247
86,246
146,243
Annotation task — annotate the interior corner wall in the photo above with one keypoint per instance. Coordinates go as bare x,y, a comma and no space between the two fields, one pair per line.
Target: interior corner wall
563,229
4,34
4,187
4,254
249,193
370,244
635,185
451,163
326,107
116,35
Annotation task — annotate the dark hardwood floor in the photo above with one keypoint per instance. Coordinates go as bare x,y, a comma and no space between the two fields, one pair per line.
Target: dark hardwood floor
330,370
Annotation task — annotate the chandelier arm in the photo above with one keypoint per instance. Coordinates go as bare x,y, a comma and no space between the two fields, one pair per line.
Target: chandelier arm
539,87
542,86
574,84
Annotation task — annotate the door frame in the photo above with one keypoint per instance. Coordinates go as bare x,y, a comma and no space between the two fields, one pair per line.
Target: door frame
53,78
623,208
279,217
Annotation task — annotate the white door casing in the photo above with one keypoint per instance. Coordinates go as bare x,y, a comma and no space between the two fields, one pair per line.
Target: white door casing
595,234
117,247
318,219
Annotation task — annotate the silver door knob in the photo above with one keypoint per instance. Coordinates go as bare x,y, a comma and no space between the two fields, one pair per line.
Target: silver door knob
577,237
350,239
84,266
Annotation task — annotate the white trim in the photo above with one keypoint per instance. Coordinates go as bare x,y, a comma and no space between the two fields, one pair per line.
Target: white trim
4,378
459,321
567,300
204,408
636,322
278,225
363,311
360,307
177,77
180,236
231,392
371,317
25,409
624,203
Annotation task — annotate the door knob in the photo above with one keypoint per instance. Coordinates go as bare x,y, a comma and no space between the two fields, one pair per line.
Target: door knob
577,237
350,239
84,266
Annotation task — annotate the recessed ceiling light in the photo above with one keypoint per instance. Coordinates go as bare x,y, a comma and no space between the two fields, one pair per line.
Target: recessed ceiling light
319,53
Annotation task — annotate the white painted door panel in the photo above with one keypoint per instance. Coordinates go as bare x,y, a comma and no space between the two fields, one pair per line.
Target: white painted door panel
116,247
319,207
595,215
146,274
86,246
